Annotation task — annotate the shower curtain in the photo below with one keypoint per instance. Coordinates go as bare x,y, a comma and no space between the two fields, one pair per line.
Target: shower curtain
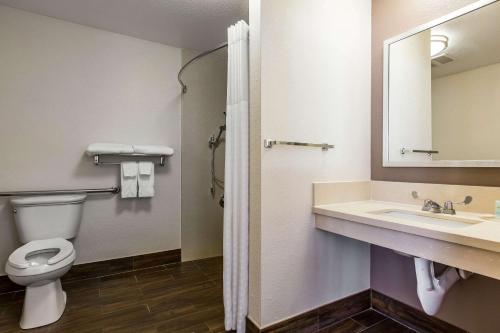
236,181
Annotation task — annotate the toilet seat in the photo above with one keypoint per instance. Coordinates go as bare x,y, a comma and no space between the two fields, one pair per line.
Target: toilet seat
19,263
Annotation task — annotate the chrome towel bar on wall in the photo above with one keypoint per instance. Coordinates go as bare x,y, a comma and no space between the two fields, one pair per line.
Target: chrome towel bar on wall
112,190
270,143
428,152
160,158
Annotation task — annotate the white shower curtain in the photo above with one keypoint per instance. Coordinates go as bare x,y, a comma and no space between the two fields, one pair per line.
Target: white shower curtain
236,181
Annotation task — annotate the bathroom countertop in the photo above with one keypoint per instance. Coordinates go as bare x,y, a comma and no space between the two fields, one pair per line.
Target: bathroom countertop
482,233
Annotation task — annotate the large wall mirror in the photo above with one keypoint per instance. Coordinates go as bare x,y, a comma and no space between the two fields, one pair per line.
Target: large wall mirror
442,91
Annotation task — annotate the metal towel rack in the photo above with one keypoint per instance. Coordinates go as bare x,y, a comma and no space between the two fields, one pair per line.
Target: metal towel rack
161,158
112,190
428,152
270,143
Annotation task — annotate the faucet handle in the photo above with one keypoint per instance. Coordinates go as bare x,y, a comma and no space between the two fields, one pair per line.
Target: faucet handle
448,205
467,200
448,208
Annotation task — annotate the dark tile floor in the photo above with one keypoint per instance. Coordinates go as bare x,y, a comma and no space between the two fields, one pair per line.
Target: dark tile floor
179,298
176,298
368,321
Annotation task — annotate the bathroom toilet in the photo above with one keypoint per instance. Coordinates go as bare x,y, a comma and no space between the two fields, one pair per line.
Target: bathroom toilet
44,225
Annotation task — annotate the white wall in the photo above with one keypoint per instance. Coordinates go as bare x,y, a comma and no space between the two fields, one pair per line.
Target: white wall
203,109
63,86
255,236
467,103
315,87
410,115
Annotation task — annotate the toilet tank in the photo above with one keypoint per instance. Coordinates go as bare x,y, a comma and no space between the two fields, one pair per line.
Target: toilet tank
43,217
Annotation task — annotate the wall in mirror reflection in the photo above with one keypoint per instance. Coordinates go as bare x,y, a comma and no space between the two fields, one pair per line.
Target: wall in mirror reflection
447,101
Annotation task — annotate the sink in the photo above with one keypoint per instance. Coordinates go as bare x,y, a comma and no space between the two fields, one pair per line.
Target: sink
492,218
450,221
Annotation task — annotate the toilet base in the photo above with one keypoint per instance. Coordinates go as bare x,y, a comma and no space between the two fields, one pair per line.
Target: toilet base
43,304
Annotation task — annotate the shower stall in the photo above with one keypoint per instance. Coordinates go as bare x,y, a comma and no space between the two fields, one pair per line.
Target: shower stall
215,210
203,145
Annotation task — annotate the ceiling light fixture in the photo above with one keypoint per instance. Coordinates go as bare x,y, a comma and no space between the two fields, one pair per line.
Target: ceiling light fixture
439,43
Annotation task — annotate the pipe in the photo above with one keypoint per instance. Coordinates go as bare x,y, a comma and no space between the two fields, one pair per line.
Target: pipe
431,289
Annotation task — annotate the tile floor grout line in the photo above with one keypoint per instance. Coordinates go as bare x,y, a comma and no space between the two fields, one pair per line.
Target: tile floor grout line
366,328
11,292
397,321
112,274
385,317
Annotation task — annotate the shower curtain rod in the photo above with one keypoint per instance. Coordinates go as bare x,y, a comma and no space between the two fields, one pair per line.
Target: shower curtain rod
184,87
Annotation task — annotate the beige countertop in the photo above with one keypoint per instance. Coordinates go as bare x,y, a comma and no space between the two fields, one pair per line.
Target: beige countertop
482,233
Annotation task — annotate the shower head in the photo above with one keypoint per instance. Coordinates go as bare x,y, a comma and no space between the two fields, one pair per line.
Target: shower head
215,141
221,130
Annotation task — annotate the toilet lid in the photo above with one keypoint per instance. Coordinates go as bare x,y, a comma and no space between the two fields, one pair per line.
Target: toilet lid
62,248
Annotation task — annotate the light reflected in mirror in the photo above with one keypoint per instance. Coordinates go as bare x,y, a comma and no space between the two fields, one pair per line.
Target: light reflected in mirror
444,91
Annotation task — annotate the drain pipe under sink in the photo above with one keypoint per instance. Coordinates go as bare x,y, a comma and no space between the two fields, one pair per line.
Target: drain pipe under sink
431,289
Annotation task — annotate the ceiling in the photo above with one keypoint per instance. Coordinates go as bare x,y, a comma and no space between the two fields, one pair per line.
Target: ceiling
473,40
194,24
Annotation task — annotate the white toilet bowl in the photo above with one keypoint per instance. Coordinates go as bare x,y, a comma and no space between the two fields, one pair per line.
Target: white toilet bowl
44,223
38,265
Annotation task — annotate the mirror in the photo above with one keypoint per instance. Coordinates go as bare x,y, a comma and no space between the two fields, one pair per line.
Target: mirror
442,91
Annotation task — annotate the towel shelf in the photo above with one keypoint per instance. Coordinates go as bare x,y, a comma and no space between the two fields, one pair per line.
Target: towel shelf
112,190
161,158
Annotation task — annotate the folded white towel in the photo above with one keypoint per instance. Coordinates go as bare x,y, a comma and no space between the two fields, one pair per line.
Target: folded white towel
146,179
145,168
109,148
153,149
129,179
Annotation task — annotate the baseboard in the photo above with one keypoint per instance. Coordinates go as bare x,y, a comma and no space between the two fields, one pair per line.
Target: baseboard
335,312
251,327
106,267
316,319
409,316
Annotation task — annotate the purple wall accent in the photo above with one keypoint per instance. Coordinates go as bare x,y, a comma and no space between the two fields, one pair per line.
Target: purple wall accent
473,304
394,275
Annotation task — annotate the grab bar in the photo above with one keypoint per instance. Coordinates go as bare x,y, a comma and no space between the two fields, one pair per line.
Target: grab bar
270,143
112,190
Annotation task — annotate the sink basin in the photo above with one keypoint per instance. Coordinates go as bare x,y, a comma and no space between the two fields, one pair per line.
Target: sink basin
450,221
491,218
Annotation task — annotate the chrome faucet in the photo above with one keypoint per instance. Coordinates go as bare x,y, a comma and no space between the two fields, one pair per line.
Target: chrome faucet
448,208
431,206
448,205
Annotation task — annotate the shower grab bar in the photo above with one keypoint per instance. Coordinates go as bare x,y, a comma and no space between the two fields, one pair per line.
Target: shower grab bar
270,143
112,190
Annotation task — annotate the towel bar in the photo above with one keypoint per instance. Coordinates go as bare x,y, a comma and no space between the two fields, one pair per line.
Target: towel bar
112,190
270,143
428,152
161,161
